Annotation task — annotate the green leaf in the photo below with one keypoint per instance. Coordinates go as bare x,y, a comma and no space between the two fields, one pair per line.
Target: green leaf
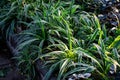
22,45
63,68
49,73
115,43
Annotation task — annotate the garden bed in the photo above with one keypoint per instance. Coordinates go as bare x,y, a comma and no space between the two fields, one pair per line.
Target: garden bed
60,40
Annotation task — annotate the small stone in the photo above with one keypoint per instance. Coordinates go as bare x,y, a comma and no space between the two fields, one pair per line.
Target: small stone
70,79
87,75
116,10
107,0
84,76
80,76
110,3
114,23
111,72
113,69
104,5
100,15
75,76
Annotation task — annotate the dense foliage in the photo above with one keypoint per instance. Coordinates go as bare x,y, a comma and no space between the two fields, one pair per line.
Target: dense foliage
71,42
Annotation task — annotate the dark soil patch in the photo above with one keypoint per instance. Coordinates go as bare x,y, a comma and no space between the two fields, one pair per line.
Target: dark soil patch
8,70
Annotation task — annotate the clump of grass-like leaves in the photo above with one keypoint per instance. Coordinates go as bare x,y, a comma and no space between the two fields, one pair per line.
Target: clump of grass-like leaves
67,39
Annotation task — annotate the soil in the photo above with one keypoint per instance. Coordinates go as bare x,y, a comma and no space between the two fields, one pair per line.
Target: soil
8,71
